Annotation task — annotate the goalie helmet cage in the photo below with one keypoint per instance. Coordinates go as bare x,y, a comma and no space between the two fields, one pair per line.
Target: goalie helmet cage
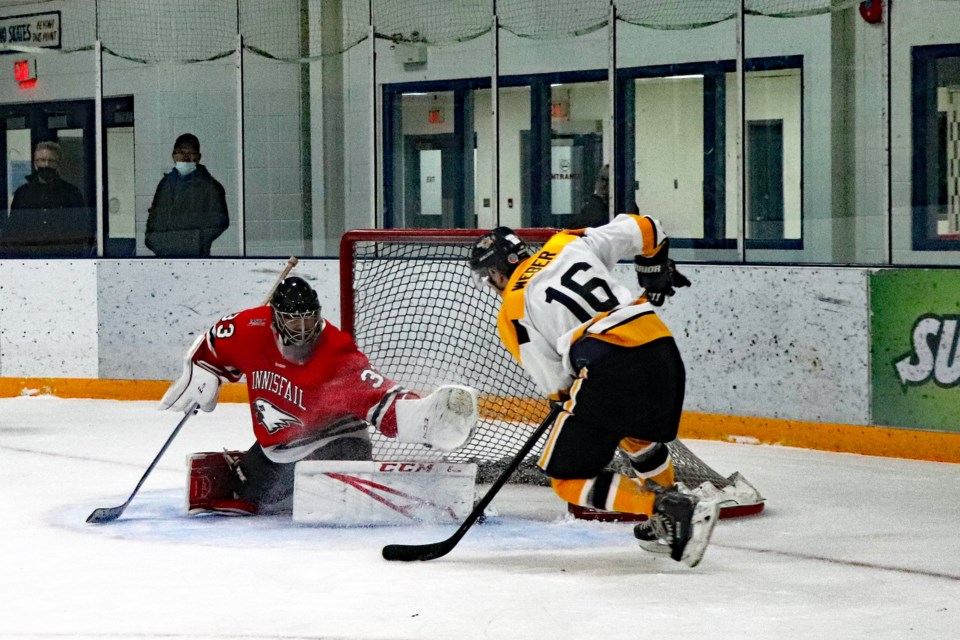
407,298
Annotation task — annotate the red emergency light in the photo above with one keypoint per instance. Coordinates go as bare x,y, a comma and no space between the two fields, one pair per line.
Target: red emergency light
25,72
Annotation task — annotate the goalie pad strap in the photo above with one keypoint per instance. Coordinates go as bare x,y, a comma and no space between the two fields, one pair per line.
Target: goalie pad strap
377,414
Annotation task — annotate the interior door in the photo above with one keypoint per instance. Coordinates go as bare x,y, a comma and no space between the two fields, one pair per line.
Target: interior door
765,180
431,182
575,163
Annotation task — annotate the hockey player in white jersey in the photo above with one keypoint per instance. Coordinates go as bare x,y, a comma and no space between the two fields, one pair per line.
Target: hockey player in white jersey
592,345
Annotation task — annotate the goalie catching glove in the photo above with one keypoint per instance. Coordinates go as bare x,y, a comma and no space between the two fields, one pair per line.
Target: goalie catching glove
195,385
658,275
445,419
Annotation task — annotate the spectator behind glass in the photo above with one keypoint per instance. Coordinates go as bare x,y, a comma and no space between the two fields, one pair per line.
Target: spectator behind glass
595,210
189,209
48,215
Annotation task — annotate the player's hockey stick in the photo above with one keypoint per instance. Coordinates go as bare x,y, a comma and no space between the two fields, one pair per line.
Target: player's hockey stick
433,550
109,514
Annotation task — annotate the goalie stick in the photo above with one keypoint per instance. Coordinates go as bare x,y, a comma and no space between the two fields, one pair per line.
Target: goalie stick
433,550
101,515
109,514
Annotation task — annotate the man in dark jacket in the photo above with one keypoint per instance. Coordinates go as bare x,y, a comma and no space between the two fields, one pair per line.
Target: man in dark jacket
189,209
48,215
595,210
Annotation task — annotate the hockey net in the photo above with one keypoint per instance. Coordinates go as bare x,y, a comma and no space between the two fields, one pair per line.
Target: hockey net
408,300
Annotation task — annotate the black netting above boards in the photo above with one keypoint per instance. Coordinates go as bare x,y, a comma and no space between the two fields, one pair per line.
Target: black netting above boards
408,299
182,31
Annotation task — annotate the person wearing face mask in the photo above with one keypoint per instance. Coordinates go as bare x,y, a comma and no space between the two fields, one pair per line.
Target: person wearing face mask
48,215
189,209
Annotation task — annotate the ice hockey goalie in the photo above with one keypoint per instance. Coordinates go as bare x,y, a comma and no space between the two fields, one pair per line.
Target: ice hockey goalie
313,396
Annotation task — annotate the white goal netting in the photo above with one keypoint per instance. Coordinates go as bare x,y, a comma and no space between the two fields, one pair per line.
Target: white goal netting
409,302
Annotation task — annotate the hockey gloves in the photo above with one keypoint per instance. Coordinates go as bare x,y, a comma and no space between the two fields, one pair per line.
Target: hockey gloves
658,275
196,385
445,419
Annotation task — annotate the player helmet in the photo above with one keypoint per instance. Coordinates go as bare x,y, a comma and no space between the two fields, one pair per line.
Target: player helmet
500,250
296,318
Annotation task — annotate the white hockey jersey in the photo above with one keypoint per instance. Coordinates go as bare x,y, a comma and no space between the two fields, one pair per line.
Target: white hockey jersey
567,289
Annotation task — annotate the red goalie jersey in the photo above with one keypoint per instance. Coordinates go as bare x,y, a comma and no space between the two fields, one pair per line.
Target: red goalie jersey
295,407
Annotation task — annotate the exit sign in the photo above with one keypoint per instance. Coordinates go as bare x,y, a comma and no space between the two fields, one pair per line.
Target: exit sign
25,70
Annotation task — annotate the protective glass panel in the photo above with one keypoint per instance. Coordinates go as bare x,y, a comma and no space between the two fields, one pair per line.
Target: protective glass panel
925,76
438,151
19,157
47,134
772,151
680,116
579,173
669,141
277,153
427,188
815,143
121,198
554,103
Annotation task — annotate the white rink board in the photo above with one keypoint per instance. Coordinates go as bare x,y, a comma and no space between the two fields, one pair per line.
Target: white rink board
779,342
357,493
48,318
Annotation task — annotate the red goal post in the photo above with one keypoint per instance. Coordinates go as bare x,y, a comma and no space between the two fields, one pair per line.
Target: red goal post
407,298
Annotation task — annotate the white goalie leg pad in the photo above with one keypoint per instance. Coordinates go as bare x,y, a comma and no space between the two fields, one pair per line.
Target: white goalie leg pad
445,419
356,494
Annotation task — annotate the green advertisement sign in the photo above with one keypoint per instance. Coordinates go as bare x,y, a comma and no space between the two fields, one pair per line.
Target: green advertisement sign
915,359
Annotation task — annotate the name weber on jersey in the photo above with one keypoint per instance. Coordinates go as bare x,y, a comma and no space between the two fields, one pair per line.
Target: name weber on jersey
541,260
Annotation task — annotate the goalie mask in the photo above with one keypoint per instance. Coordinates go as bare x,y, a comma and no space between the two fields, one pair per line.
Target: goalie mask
500,251
296,319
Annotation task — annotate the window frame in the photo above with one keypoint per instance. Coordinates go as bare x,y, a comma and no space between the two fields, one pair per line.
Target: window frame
715,123
923,58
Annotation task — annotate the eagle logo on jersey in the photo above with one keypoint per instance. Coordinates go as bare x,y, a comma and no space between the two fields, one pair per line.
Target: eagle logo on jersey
272,418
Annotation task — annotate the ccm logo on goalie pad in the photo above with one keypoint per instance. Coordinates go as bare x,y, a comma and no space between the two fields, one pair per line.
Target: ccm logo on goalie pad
419,467
272,418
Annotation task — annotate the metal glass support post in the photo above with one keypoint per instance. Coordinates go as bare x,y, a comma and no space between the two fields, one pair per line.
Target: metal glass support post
98,140
495,114
610,140
241,173
741,127
376,140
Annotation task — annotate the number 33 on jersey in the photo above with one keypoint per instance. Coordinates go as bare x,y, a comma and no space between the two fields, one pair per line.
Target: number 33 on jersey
567,290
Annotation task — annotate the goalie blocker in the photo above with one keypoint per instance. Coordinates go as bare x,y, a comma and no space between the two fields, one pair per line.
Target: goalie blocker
343,493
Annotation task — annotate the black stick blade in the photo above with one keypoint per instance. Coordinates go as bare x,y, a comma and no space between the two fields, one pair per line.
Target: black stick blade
104,514
411,552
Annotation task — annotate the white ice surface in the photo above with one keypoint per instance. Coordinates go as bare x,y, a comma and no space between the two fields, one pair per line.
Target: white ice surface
848,547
